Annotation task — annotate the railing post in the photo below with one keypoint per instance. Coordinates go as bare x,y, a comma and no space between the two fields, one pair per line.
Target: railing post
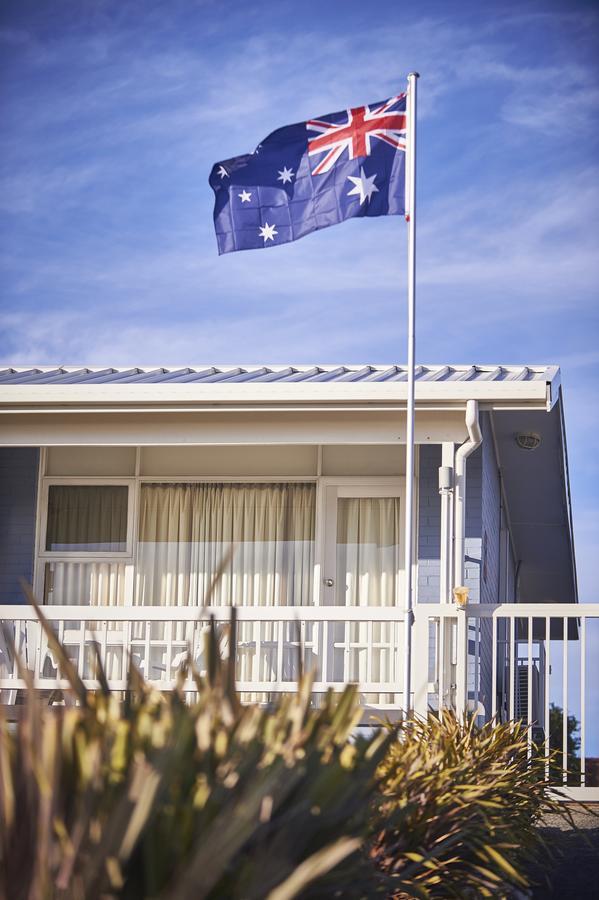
461,662
420,661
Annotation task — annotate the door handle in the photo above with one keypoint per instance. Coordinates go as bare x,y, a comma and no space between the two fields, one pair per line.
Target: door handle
329,582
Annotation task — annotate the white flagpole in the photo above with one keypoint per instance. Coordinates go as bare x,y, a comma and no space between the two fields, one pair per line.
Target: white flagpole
409,538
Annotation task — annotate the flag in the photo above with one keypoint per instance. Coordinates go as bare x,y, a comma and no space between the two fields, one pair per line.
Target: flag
311,175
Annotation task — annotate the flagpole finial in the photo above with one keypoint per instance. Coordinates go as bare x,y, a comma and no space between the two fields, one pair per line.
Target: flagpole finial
413,74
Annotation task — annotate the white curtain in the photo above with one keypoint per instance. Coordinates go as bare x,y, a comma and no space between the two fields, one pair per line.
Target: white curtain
187,529
368,568
85,583
368,550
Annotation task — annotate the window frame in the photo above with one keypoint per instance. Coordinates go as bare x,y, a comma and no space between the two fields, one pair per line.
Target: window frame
126,555
335,487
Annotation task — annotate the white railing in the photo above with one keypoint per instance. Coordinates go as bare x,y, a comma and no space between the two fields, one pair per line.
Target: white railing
512,661
339,644
534,662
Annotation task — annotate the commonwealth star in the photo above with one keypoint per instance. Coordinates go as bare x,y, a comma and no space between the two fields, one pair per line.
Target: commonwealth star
364,186
268,232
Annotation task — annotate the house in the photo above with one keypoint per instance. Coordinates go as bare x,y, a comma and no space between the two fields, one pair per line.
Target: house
122,491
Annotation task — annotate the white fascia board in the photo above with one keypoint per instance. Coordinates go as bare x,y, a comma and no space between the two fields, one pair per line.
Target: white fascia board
299,394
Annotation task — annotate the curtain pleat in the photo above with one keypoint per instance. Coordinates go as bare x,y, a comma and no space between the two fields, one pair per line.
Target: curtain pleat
85,583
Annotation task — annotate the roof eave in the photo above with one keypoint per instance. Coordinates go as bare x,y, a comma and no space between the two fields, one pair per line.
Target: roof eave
539,393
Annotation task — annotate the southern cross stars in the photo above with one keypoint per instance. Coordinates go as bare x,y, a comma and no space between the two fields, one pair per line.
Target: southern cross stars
245,196
268,232
286,175
222,172
363,186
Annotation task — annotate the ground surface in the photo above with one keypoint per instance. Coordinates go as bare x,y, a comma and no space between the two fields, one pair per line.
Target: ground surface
576,872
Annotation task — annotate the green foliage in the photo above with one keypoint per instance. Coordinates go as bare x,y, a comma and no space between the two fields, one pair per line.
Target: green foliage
144,794
556,737
154,797
460,809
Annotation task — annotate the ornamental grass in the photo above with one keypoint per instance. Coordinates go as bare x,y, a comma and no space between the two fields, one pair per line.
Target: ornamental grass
153,796
459,809
149,794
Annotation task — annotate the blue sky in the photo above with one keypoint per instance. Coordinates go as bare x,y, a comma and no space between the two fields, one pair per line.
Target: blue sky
114,112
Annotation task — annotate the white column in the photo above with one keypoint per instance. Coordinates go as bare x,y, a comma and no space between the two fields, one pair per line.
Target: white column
446,552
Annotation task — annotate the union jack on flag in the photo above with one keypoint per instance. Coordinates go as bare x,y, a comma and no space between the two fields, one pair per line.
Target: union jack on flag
386,122
313,174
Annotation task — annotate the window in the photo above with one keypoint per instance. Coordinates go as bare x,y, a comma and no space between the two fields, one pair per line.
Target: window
87,518
86,541
91,520
368,550
187,530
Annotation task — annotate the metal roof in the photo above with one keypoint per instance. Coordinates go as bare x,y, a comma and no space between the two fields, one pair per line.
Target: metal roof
91,375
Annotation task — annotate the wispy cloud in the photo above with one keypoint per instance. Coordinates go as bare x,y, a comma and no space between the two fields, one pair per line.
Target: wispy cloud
112,120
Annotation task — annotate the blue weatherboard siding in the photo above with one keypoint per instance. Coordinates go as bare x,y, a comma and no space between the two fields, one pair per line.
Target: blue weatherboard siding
18,495
474,523
483,518
491,519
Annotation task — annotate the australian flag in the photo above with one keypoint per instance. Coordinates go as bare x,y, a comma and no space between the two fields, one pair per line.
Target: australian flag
311,175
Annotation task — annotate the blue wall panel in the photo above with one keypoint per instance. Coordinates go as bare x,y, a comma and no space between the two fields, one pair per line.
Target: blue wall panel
18,495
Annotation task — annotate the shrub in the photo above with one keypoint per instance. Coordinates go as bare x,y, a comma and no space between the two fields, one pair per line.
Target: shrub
149,795
459,809
156,797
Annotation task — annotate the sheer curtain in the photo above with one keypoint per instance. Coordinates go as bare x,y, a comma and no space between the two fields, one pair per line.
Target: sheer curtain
368,550
186,530
368,568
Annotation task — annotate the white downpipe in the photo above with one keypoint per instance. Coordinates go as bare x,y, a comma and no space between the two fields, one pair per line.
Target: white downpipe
475,439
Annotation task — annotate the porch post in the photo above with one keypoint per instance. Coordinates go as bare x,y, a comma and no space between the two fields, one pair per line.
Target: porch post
446,481
446,484
461,669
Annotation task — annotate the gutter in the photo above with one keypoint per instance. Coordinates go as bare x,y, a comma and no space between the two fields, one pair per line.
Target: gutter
465,450
102,396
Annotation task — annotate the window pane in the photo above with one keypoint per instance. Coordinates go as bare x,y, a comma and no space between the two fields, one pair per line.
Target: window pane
87,518
186,530
367,551
85,583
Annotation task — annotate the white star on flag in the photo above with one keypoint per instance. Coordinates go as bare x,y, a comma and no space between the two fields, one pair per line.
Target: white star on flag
286,175
222,172
245,196
364,186
268,232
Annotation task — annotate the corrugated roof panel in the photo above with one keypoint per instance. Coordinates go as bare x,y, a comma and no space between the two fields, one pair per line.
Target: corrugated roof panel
29,375
83,375
112,375
9,375
280,375
304,374
257,374
333,375
356,374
